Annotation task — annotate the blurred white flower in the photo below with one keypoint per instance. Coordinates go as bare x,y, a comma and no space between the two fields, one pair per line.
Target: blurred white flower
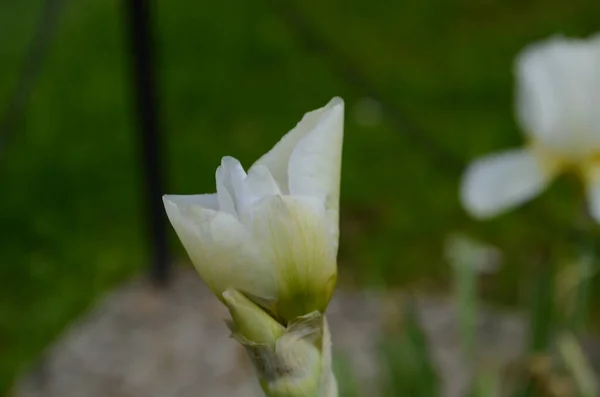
558,107
272,233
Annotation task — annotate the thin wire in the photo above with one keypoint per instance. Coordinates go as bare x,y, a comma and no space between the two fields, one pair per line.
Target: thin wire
45,33
449,163
303,28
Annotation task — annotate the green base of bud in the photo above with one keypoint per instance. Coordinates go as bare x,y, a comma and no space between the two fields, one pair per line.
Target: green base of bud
292,361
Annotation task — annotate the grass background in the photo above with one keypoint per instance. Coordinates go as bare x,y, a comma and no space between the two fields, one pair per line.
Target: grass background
234,76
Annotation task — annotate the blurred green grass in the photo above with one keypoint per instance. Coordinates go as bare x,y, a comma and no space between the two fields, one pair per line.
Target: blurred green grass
234,77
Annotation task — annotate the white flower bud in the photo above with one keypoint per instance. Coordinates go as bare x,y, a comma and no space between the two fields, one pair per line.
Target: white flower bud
272,233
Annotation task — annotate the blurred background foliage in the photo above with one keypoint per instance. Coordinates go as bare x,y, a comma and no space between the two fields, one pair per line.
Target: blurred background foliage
428,86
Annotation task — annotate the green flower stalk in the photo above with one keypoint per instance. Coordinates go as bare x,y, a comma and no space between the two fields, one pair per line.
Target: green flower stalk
266,245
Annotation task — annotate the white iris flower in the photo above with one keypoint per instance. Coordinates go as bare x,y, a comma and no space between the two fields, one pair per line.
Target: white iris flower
558,107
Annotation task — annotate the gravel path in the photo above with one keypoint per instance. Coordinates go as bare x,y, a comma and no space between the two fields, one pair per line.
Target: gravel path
141,342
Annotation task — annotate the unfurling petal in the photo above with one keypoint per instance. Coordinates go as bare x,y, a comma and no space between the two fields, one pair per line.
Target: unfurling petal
258,184
208,201
292,233
230,176
315,164
221,249
502,181
277,160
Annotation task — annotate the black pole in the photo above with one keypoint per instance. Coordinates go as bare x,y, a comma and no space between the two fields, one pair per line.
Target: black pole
144,76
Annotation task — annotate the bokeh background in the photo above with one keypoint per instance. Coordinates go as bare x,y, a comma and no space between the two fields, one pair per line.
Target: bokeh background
428,86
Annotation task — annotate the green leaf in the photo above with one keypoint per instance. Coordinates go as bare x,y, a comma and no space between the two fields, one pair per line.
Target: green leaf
346,379
406,362
542,309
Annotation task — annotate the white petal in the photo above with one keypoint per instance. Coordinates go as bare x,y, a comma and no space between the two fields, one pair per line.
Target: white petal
293,235
502,181
593,192
315,165
278,158
222,250
558,93
229,176
260,182
209,201
286,220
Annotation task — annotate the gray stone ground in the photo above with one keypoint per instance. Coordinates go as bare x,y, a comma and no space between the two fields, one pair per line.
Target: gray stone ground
141,342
